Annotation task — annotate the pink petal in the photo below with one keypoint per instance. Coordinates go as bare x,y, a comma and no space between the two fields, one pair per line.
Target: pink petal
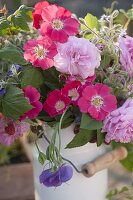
102,115
71,26
83,105
110,103
31,93
59,36
102,89
93,112
35,111
89,92
49,13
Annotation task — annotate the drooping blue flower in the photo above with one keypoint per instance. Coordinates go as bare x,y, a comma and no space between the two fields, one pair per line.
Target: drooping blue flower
14,69
2,91
55,179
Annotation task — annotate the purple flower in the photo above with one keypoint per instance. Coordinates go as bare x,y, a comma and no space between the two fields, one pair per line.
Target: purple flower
11,130
2,91
14,70
126,55
119,123
55,179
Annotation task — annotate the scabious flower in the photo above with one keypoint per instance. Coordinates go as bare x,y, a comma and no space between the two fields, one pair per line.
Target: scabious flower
11,130
33,96
37,13
77,57
56,103
40,52
97,101
126,54
119,123
72,90
58,23
55,179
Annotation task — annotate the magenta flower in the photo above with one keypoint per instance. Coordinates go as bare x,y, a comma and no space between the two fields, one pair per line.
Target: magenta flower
72,90
56,103
78,57
33,97
126,55
40,52
119,124
58,23
55,179
11,130
97,101
37,13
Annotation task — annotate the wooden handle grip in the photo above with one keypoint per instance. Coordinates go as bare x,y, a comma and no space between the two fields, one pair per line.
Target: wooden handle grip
104,161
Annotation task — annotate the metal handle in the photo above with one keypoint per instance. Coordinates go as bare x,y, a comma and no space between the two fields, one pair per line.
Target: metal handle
104,161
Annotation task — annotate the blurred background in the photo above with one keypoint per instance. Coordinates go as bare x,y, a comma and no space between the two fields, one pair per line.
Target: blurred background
80,7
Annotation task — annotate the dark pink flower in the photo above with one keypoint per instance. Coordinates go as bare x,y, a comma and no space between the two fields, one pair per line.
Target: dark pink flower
40,52
97,101
37,13
33,97
11,130
71,90
58,23
56,103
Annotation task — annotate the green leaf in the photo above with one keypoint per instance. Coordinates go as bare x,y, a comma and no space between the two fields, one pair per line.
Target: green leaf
130,13
4,25
128,162
20,22
100,138
32,76
12,54
90,124
91,21
26,12
42,158
82,138
14,104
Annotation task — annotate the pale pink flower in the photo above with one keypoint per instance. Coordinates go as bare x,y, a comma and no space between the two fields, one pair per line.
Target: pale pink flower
119,123
126,54
77,57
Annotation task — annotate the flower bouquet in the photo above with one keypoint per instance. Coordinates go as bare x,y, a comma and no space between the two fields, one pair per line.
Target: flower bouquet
58,71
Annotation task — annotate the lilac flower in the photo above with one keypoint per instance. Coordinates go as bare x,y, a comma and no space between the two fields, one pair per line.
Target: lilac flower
14,69
119,123
55,179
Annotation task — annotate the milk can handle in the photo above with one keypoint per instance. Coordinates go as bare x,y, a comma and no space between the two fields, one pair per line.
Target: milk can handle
104,161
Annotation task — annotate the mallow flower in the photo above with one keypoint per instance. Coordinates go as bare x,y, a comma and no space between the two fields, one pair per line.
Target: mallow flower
55,179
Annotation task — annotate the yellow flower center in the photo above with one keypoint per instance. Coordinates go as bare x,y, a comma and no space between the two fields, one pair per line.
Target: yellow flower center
40,51
59,105
97,101
57,24
73,93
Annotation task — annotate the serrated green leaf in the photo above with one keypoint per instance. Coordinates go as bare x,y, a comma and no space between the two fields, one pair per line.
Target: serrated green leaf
42,158
14,104
32,76
82,138
90,124
12,54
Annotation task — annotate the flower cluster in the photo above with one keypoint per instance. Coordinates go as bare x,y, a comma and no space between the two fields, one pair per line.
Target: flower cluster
70,71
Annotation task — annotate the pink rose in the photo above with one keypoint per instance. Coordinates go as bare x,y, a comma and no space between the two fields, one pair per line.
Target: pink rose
126,55
77,57
119,123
